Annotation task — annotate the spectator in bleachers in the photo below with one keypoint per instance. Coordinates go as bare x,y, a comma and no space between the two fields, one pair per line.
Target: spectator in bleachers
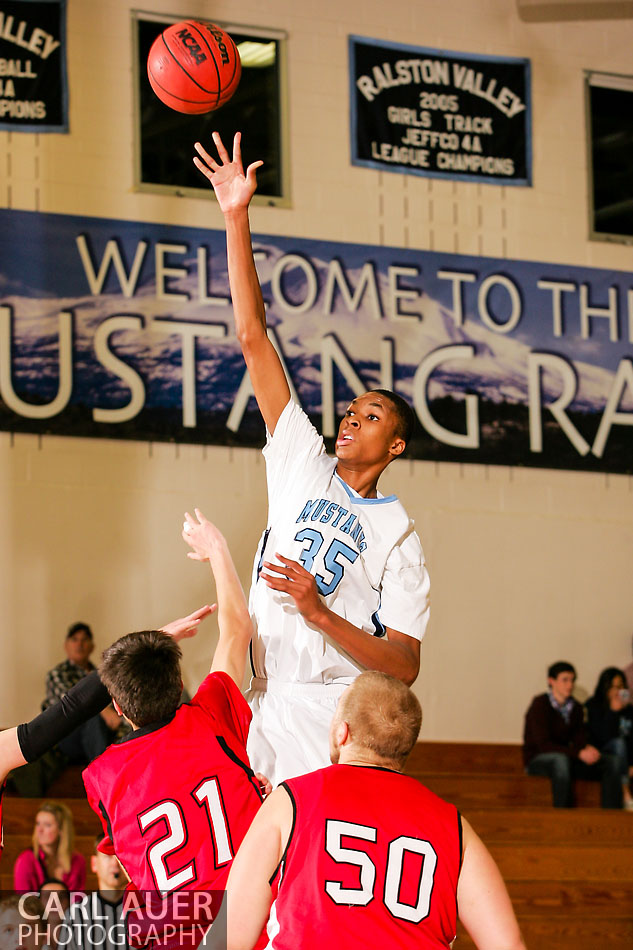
556,743
94,736
610,724
52,855
96,922
55,899
21,923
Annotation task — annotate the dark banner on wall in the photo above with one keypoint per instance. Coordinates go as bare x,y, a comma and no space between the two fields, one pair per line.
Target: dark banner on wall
125,330
33,90
432,112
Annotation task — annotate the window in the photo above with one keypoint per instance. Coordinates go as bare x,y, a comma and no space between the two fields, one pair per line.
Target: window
165,138
610,123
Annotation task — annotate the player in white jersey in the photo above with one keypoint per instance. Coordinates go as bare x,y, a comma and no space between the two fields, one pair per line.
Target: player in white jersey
339,581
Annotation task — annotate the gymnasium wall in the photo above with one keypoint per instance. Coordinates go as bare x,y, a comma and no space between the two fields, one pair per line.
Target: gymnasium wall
527,565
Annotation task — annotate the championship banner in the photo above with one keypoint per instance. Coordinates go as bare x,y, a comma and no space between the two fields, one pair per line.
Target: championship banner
448,115
120,329
33,85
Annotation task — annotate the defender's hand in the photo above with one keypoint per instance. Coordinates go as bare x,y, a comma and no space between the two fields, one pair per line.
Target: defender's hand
202,536
186,627
264,784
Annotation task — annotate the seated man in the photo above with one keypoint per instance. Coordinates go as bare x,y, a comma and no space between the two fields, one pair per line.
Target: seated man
555,742
362,855
96,922
92,737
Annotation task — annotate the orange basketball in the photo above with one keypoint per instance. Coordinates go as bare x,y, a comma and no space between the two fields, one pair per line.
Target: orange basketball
194,67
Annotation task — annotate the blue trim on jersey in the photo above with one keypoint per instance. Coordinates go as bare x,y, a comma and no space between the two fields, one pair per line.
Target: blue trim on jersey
379,628
260,563
364,501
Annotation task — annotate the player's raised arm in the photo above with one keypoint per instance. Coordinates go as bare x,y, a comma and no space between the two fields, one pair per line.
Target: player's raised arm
209,544
234,191
484,905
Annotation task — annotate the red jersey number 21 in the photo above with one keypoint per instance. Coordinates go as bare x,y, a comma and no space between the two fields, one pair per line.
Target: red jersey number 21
206,794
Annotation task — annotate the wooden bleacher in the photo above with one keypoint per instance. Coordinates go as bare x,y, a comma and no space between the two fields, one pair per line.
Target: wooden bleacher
569,872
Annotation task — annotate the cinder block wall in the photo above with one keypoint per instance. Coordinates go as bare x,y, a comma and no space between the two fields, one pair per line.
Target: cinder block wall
528,566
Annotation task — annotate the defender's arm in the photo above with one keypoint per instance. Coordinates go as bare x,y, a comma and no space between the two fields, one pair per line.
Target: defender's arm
236,629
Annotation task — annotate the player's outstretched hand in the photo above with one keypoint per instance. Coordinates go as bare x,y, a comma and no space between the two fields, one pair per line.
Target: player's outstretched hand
186,627
292,578
202,536
232,187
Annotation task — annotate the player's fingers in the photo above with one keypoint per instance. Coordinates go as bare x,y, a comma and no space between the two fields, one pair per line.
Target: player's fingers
237,148
201,518
264,784
251,176
222,152
211,162
195,557
207,172
187,528
278,569
202,612
294,565
277,583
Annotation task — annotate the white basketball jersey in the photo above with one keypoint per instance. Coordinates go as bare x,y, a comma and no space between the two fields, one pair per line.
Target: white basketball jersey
364,553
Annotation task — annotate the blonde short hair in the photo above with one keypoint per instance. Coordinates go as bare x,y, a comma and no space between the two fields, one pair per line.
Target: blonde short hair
382,714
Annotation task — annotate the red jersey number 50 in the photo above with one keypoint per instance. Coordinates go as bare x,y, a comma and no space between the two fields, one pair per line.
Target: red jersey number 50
398,848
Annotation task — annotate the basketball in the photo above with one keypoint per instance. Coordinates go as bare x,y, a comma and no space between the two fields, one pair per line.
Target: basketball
194,67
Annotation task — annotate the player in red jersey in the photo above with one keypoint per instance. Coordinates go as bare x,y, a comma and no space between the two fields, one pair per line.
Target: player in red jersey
363,855
177,795
28,741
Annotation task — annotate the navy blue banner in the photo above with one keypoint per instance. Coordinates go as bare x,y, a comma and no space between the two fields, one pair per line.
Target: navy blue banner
33,85
444,114
125,330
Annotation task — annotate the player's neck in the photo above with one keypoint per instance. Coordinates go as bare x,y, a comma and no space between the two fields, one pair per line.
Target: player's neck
364,480
354,756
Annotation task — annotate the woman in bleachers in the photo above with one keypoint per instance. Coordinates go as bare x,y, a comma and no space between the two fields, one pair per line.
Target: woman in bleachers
610,724
51,855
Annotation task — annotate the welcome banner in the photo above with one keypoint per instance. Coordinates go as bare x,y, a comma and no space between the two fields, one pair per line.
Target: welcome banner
125,330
